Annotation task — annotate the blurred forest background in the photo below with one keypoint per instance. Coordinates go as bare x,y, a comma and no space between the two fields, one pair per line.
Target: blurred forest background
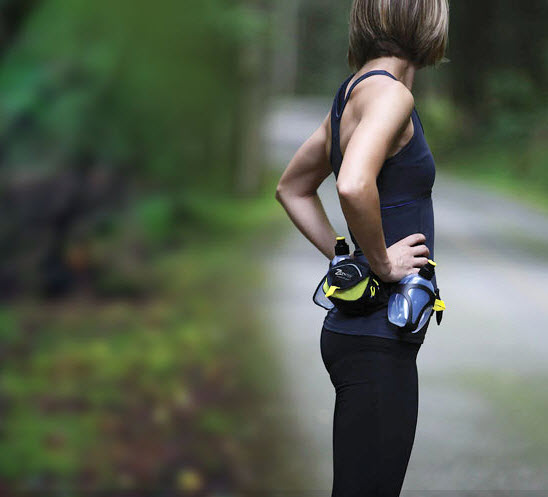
134,189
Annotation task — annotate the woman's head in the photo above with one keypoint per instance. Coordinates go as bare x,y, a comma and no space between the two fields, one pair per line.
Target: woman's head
416,30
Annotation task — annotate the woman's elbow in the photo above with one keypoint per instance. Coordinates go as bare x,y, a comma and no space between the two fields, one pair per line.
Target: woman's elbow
353,189
278,194
286,191
281,190
282,193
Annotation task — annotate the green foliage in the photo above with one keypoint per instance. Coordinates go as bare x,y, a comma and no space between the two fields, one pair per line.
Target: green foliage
148,94
126,83
9,326
519,167
503,147
442,121
155,215
511,90
45,444
127,395
322,45
512,100
222,216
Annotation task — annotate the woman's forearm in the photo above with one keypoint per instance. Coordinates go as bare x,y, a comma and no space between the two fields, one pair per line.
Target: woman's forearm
308,215
361,208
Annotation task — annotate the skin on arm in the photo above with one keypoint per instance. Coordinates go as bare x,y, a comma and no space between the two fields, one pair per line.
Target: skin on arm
297,191
385,113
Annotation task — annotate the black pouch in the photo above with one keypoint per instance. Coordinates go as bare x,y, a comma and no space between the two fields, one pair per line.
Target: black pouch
353,288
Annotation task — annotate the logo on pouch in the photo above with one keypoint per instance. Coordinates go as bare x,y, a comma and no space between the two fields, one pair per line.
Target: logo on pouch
341,274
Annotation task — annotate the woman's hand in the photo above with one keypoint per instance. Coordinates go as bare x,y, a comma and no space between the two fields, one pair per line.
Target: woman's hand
406,257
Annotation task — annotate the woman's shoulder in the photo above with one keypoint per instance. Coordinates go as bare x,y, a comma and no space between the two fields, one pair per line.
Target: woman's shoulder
380,94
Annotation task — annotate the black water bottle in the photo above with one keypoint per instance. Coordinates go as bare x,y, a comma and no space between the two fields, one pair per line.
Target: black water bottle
342,251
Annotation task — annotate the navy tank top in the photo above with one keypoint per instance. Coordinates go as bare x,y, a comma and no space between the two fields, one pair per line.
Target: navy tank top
405,186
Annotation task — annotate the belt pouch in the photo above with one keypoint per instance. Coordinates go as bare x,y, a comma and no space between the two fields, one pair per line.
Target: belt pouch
354,289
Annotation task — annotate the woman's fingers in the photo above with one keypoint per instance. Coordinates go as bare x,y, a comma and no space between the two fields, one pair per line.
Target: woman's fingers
415,238
419,261
420,250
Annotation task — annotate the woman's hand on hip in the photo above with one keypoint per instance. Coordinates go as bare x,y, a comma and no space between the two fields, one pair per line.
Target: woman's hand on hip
406,257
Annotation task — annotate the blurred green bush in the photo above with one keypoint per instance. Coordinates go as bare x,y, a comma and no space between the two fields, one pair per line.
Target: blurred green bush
110,105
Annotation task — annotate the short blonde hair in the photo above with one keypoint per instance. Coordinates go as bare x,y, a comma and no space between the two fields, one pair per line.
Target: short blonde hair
417,30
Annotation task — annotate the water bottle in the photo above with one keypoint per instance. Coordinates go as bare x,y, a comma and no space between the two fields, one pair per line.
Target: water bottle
342,251
411,313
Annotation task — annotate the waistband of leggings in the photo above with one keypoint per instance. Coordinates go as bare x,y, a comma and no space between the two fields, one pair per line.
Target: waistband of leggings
390,345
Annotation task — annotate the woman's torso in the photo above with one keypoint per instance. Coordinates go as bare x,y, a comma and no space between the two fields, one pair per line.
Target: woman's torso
405,185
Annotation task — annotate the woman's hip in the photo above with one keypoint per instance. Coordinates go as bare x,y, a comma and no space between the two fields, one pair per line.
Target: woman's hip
366,358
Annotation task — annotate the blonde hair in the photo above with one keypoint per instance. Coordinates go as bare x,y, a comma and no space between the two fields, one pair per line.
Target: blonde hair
417,30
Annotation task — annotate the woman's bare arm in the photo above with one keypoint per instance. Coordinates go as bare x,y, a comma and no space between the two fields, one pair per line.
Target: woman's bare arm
385,114
297,191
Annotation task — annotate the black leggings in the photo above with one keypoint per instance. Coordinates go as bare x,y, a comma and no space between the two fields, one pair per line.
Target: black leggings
376,407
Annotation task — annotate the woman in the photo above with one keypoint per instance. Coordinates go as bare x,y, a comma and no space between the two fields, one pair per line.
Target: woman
385,173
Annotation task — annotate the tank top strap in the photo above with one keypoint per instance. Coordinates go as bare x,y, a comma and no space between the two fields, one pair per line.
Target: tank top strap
345,99
339,103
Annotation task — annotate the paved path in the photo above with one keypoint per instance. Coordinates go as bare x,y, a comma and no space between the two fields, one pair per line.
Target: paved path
485,434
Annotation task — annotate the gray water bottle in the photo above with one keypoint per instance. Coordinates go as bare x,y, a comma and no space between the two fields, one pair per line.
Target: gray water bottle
414,297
